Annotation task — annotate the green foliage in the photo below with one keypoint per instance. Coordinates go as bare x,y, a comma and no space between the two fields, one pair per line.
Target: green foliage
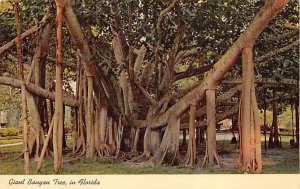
185,83
10,141
212,25
269,117
5,6
69,126
285,119
4,132
9,99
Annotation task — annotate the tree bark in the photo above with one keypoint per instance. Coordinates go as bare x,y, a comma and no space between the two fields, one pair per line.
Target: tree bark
190,158
58,113
81,144
23,89
136,141
40,161
124,84
168,150
36,135
90,143
249,123
211,157
105,150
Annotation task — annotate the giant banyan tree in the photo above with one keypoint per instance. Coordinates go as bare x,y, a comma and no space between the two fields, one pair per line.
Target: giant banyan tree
126,59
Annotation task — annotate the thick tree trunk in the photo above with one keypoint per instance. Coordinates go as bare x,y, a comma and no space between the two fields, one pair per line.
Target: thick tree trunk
36,135
155,140
190,158
124,84
250,145
105,150
136,142
80,143
118,136
23,89
90,140
151,140
168,150
211,156
58,114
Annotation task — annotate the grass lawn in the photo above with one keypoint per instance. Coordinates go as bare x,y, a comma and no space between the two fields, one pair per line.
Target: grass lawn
10,141
278,161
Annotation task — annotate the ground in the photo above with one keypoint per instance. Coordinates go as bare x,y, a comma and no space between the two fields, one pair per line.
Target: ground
277,161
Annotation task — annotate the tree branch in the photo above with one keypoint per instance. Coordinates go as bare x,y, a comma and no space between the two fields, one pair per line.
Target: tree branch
276,52
68,99
268,81
25,34
289,26
145,93
185,54
159,38
66,64
282,36
192,72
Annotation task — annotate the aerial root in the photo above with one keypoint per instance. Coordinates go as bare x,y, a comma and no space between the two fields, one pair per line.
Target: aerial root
104,150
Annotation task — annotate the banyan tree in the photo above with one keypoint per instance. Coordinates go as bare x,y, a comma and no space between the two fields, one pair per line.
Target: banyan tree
131,62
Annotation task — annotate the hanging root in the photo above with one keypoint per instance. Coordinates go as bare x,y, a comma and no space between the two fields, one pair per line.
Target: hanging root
20,156
144,157
75,158
217,160
119,137
205,160
104,150
190,158
168,152
169,147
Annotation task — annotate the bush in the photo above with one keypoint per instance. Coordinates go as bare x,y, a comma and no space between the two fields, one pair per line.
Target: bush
4,132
